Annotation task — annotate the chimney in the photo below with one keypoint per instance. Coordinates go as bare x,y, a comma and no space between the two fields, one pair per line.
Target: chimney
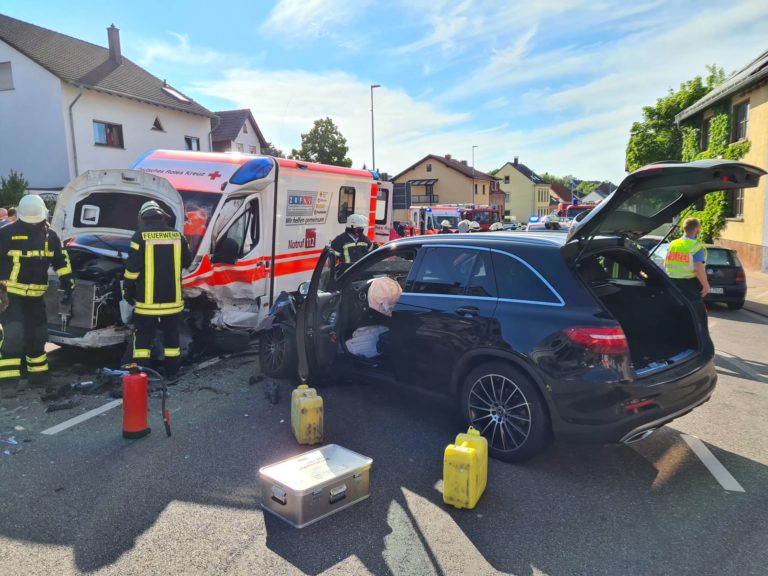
447,156
113,36
464,162
515,160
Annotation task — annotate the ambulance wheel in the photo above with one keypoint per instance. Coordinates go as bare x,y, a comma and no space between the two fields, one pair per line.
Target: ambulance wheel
505,406
277,352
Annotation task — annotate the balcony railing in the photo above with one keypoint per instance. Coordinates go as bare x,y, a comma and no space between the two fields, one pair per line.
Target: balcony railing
425,199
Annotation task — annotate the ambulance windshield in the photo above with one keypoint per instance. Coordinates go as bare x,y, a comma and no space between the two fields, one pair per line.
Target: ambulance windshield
198,209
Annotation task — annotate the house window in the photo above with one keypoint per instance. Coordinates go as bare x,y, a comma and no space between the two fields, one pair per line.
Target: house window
483,188
105,134
475,188
736,208
239,147
253,150
429,167
245,128
740,118
6,76
705,126
346,203
430,189
156,125
191,143
506,179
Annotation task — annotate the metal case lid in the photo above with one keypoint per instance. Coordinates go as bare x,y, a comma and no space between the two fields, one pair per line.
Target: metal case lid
315,468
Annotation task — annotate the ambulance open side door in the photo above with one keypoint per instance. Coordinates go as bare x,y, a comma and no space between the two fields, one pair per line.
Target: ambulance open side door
240,260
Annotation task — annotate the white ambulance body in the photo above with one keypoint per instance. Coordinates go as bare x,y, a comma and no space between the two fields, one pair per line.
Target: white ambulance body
256,224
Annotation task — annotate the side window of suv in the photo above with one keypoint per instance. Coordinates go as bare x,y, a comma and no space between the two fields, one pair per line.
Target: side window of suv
515,280
454,271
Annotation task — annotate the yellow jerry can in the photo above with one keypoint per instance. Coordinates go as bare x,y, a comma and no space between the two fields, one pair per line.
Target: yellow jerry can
306,415
465,470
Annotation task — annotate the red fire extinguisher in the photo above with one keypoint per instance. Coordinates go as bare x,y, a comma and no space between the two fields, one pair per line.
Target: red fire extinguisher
135,383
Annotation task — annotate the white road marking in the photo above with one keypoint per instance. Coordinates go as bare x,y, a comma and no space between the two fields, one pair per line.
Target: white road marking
82,418
741,366
722,475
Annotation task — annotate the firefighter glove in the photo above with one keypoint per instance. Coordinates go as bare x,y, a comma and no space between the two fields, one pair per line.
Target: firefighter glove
67,284
129,293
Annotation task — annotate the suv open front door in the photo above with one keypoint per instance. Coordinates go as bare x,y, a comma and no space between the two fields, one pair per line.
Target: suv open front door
316,322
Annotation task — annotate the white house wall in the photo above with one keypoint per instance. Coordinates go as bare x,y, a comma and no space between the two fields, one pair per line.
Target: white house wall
32,127
137,119
247,140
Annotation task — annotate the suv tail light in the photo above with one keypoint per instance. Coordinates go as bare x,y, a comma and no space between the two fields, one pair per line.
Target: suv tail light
599,339
740,276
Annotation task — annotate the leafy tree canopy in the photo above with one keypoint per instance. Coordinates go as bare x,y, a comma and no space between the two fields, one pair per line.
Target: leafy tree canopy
657,137
12,189
325,144
272,150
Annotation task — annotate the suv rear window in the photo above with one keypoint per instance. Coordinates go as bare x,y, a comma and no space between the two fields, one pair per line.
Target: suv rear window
517,281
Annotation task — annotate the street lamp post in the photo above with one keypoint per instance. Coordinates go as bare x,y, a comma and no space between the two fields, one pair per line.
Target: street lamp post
373,145
473,173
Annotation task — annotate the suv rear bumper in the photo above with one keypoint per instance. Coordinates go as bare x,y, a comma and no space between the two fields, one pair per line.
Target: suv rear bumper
672,400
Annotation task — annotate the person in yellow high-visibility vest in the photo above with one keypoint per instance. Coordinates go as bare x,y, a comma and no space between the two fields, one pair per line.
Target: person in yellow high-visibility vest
685,264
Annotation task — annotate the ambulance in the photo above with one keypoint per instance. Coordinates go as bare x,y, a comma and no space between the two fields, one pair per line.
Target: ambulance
255,224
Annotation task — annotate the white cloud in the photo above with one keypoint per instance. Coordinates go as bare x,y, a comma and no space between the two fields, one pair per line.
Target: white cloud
299,19
181,51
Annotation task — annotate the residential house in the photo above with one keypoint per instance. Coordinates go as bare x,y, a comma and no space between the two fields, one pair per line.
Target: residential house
67,106
597,195
237,131
526,192
443,180
745,98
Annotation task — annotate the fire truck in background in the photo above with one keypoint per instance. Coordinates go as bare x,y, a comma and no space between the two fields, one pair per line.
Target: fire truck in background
255,224
569,210
484,215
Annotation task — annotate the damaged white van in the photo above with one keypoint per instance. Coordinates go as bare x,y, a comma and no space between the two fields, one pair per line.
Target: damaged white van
255,224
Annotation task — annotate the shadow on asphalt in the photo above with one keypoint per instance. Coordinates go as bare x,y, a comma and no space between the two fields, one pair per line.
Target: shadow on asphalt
577,509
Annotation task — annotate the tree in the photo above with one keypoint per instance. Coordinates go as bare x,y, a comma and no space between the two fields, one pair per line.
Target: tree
272,150
553,179
324,144
587,187
12,189
657,137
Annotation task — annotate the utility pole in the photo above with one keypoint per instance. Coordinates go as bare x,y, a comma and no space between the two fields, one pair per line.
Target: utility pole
373,144
473,173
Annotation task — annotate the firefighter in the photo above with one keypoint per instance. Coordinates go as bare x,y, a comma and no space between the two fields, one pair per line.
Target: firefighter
685,262
496,226
474,226
463,226
158,254
445,227
27,249
352,244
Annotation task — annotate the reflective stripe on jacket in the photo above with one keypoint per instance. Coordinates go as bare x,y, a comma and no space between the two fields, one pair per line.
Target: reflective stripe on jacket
679,260
157,256
26,253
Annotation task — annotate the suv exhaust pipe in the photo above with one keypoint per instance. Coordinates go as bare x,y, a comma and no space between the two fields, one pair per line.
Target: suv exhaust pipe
633,437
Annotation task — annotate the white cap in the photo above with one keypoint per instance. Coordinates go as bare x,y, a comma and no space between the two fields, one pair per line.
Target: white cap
32,209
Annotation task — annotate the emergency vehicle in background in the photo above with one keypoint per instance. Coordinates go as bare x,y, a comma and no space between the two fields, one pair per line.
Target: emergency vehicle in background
560,219
569,210
427,220
255,224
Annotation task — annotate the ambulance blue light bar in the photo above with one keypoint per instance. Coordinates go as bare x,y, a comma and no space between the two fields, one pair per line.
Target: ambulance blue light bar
252,170
533,219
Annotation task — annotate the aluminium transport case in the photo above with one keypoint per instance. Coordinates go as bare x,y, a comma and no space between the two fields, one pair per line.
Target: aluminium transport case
303,489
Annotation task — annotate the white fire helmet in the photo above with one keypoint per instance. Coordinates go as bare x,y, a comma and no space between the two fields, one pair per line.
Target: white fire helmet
32,209
356,221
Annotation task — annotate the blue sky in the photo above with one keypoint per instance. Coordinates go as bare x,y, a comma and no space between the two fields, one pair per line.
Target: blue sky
557,83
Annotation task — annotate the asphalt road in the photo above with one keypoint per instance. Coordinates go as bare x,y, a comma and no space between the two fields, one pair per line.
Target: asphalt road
86,501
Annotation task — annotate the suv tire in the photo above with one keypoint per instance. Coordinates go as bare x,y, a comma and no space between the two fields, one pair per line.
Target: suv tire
277,352
505,406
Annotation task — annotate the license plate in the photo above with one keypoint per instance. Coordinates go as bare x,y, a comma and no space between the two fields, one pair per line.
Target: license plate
717,291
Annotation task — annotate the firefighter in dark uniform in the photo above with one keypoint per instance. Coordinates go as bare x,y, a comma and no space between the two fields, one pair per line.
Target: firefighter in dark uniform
27,249
152,284
445,227
352,244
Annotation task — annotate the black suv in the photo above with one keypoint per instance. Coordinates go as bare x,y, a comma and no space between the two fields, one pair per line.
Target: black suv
577,336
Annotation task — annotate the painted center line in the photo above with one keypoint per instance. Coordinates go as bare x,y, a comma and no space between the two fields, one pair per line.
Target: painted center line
82,418
722,475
